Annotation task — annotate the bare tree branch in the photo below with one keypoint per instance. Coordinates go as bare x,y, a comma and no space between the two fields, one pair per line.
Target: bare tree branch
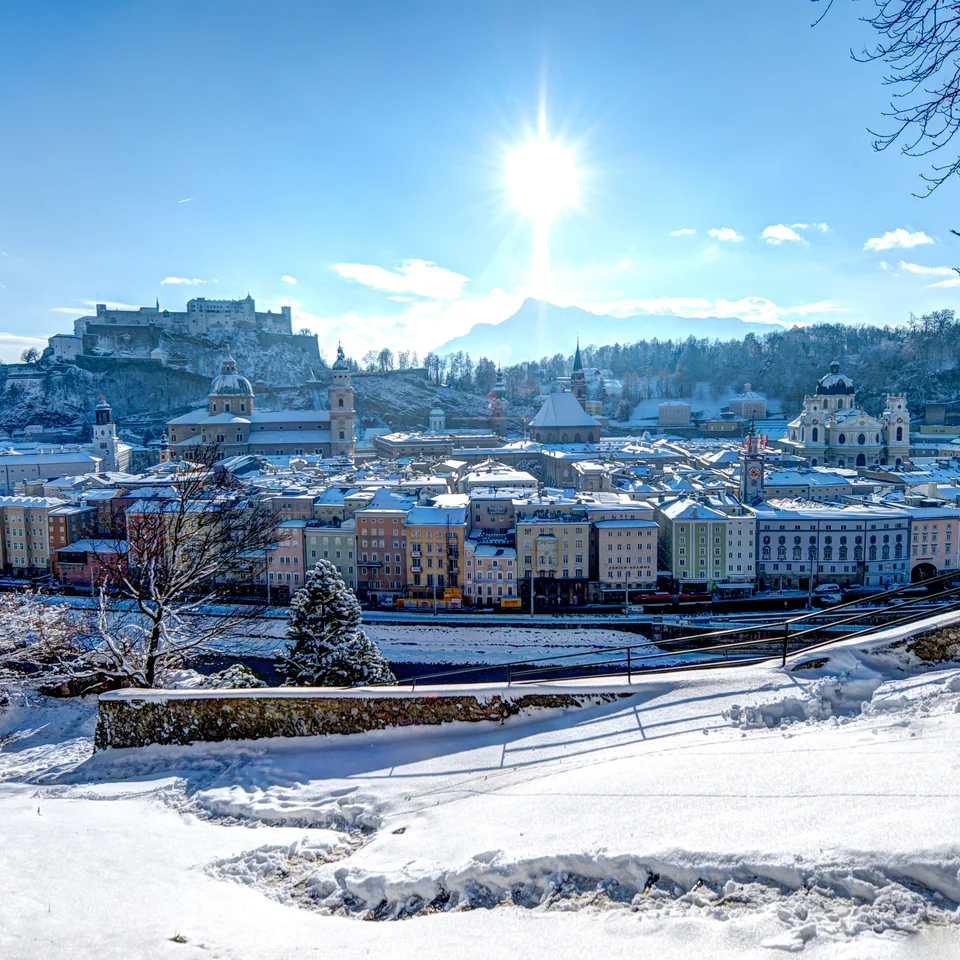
919,40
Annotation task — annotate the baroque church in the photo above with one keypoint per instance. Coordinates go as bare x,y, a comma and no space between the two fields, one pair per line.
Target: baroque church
833,431
231,422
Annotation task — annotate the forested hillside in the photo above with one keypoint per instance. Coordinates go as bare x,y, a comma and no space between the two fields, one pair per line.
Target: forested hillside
920,359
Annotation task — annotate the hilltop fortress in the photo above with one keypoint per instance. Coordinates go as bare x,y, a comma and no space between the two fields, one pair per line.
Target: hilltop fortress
138,333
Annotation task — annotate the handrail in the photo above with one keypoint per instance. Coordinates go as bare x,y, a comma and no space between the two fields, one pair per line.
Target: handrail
782,628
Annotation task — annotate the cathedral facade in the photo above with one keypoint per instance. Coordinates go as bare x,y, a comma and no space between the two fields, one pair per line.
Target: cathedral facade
833,431
231,423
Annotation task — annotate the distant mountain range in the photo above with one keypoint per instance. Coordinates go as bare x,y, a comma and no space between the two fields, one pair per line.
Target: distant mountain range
539,329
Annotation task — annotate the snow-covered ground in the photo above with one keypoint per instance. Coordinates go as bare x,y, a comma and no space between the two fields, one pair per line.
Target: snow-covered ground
735,813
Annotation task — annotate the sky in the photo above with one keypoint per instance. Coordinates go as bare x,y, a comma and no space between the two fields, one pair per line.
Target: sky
352,160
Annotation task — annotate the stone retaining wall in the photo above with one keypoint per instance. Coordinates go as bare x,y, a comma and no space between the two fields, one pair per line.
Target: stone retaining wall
138,718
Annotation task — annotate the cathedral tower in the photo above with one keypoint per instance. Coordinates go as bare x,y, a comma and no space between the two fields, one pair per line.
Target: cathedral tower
342,413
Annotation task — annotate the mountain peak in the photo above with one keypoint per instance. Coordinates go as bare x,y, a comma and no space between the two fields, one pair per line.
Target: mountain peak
540,329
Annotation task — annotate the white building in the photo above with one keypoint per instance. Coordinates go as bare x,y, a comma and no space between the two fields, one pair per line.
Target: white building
833,543
833,430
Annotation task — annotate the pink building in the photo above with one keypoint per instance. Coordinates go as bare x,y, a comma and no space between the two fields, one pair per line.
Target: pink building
286,564
490,573
88,564
933,536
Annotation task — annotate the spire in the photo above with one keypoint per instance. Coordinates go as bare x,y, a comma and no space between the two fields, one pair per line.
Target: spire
577,359
158,304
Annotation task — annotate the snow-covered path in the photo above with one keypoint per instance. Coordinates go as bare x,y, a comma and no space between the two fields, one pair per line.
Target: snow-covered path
718,814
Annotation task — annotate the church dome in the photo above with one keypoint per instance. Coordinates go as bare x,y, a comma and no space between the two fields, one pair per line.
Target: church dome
230,383
436,412
835,383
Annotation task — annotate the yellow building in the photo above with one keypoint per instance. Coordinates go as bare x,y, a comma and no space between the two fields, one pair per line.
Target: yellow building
26,534
435,545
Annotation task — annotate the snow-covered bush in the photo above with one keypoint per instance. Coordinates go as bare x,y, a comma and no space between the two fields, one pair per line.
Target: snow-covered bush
235,677
326,646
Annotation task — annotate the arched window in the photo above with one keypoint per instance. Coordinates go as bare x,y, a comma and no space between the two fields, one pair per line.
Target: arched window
828,539
339,401
843,539
815,434
841,462
766,553
781,540
828,553
843,553
842,438
840,404
873,552
899,434
797,554
886,538
813,462
576,437
861,438
898,551
781,553
876,438
861,460
886,551
812,541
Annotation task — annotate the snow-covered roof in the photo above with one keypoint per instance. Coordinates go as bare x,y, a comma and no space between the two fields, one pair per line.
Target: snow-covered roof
562,410
684,509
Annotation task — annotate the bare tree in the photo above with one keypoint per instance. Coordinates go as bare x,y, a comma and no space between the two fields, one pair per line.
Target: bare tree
42,641
919,41
183,555
30,355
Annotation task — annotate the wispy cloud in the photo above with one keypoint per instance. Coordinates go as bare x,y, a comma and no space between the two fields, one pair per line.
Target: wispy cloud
87,304
724,234
186,200
927,271
420,324
822,227
897,238
183,281
952,282
421,278
755,309
683,232
12,345
779,233
286,278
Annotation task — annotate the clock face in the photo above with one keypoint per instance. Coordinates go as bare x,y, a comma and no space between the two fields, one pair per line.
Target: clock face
754,473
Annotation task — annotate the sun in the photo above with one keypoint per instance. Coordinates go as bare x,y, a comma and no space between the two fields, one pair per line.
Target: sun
542,178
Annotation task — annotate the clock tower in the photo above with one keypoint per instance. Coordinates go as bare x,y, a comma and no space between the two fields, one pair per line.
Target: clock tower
751,469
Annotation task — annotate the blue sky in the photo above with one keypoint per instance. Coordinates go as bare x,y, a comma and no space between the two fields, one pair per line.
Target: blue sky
358,149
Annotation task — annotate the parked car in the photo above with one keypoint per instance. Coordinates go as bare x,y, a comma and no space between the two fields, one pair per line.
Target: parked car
827,599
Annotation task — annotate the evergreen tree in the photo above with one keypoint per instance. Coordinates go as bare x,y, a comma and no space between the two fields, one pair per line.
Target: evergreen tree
326,646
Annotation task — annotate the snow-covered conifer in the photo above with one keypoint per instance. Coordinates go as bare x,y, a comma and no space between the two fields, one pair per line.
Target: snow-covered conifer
326,645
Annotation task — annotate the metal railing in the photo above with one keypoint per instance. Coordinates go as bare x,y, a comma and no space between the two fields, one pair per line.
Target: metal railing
792,634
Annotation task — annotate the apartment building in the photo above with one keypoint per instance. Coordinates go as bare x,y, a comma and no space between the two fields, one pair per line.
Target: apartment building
382,546
553,550
626,557
26,534
490,573
844,543
436,533
338,544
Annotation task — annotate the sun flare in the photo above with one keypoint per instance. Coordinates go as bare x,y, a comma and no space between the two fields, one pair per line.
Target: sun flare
542,179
